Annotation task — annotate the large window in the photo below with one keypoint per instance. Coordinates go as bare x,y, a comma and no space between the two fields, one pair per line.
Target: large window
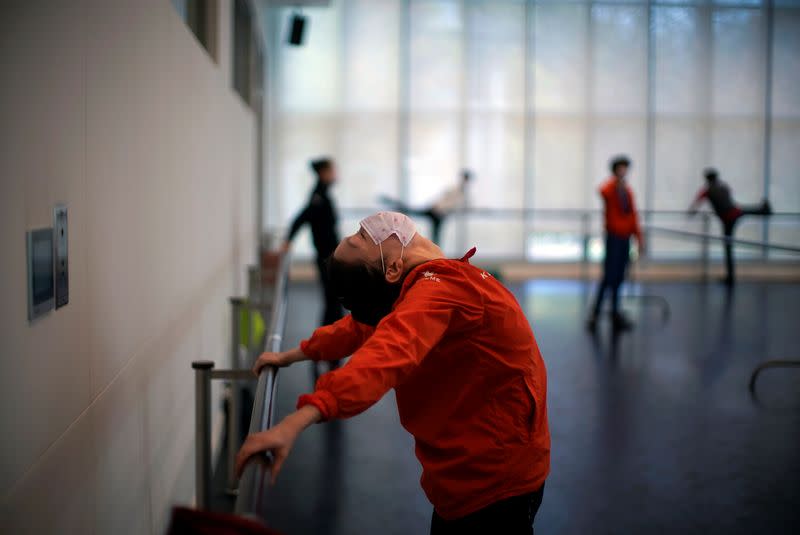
535,97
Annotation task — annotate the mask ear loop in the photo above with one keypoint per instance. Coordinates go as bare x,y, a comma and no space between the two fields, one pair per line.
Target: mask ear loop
402,250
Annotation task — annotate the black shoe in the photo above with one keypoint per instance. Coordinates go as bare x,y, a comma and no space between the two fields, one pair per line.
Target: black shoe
727,281
591,324
766,207
622,323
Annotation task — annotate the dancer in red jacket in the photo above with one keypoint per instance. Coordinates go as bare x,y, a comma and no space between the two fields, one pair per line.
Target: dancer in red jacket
622,222
455,345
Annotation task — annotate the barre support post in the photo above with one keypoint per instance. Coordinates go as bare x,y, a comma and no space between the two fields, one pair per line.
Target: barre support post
585,230
706,246
202,439
233,400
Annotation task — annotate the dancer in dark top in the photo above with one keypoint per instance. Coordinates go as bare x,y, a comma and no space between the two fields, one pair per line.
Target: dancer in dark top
320,213
719,195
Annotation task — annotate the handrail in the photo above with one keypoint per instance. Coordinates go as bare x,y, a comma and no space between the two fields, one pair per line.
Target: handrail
575,212
234,397
256,475
586,218
735,241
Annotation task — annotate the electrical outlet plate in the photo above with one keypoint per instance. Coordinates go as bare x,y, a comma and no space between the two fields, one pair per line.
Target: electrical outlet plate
61,255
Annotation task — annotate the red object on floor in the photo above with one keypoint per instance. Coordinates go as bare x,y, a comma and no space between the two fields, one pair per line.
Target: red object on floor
187,521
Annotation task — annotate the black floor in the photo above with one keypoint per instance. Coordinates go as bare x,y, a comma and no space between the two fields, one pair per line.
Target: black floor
652,432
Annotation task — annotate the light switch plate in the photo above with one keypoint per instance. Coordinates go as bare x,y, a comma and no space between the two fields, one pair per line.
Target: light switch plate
61,254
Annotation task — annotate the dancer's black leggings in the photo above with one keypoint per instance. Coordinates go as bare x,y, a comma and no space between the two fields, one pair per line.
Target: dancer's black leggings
728,228
512,516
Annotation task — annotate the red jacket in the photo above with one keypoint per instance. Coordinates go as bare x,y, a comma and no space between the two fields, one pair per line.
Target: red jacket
470,382
619,221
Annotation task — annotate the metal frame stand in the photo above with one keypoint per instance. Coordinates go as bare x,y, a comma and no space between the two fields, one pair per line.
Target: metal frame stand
706,248
586,238
666,312
769,364
202,426
204,374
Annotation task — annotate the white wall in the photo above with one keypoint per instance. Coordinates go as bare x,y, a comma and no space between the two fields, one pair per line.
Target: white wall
114,108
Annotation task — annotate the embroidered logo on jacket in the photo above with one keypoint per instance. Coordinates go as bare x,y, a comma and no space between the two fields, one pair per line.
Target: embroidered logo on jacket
431,276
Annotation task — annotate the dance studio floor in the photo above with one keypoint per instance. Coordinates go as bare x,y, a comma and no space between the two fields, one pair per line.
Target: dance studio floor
653,431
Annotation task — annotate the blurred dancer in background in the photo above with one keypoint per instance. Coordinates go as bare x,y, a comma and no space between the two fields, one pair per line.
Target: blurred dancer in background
728,211
621,222
451,200
320,212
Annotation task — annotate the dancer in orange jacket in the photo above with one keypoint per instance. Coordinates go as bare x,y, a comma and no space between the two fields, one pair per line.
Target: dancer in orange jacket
455,345
622,222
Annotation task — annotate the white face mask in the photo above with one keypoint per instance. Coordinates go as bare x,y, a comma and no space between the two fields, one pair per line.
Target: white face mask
383,224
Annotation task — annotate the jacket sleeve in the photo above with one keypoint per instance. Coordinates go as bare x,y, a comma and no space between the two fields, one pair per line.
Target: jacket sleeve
399,344
604,193
301,219
337,340
702,194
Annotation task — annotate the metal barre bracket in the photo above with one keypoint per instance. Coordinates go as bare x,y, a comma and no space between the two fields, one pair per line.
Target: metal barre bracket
202,446
234,375
249,303
769,364
666,312
204,374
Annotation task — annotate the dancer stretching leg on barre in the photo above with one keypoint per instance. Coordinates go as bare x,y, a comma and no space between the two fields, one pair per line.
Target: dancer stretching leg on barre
719,195
451,200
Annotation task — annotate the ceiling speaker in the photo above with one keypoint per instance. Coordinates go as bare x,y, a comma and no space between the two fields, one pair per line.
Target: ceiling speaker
297,29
